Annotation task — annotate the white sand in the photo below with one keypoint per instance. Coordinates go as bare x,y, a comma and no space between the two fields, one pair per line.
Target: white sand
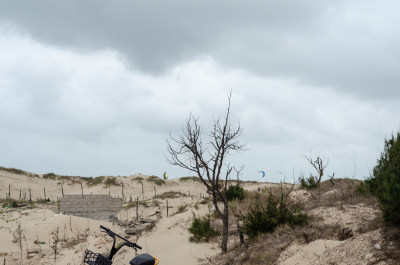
168,240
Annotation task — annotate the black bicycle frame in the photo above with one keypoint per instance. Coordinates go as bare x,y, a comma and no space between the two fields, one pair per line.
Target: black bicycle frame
114,249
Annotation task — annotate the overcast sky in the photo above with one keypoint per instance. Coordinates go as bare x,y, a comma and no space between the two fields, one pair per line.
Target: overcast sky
95,87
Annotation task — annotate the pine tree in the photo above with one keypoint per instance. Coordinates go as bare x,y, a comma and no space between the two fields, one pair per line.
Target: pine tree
385,183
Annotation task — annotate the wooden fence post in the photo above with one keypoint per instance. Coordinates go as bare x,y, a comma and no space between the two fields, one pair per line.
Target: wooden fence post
123,195
137,208
142,190
167,208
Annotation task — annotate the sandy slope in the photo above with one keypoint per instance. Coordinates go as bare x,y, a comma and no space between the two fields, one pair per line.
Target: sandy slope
169,239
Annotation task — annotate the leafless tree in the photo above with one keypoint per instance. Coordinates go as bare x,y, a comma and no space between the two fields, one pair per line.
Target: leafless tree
207,159
18,237
319,165
284,189
331,178
54,246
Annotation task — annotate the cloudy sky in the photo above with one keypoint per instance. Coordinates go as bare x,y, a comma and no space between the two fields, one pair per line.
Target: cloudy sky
95,87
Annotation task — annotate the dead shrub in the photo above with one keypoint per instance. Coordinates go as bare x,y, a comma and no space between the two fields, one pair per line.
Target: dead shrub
344,234
342,193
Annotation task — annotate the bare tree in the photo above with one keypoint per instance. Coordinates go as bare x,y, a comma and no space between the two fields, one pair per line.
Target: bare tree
319,165
18,237
207,160
54,246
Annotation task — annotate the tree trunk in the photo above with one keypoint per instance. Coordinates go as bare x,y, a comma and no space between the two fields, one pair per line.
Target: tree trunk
225,223
241,236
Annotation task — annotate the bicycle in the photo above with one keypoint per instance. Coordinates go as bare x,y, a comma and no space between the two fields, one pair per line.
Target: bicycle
92,258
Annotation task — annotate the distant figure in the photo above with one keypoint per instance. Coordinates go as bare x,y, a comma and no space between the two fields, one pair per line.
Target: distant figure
165,176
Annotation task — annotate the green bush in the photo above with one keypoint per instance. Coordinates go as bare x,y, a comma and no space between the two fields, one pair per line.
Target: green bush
364,187
235,192
201,229
50,176
156,180
43,200
170,195
90,181
138,179
309,183
265,219
111,181
385,182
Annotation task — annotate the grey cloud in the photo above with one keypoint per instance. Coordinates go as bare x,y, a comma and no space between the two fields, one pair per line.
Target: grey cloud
155,35
76,112
349,46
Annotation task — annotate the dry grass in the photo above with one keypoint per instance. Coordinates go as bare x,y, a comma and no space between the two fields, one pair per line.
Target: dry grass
134,203
181,208
266,249
170,195
340,192
73,242
18,172
194,179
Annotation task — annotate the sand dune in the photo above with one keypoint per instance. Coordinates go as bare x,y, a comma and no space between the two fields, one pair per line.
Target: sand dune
168,240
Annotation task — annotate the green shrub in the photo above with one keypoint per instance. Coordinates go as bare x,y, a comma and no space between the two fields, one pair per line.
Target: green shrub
265,219
50,176
156,180
201,229
71,180
364,187
94,181
43,200
111,181
235,192
309,183
385,182
170,195
138,179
